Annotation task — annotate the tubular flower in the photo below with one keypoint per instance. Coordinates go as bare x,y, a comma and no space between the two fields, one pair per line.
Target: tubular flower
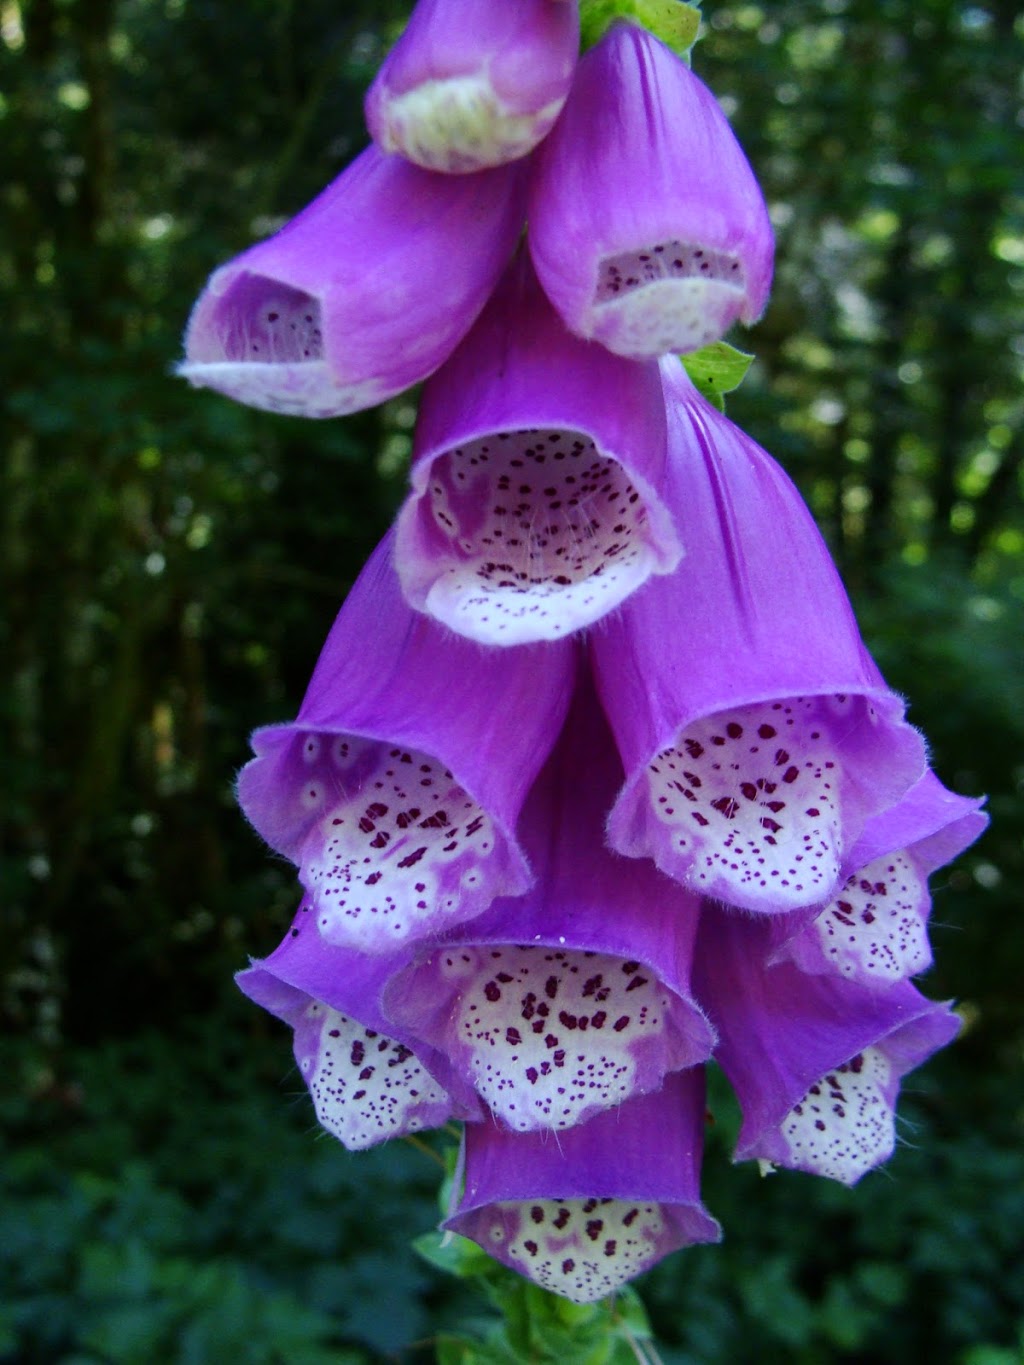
583,1211
576,996
647,226
875,929
361,294
397,789
815,1061
756,733
472,84
368,1082
538,464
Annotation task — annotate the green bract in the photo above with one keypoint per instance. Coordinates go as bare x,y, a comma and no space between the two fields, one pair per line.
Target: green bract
717,369
674,22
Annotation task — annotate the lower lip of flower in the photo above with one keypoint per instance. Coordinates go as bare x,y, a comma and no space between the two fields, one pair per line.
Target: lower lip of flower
582,1249
548,1036
674,296
845,1124
459,125
365,1087
750,803
399,848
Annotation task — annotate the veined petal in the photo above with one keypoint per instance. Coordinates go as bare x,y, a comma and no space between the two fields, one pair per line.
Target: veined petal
576,996
875,929
398,787
756,733
472,84
362,294
815,1061
366,1081
647,226
583,1211
536,482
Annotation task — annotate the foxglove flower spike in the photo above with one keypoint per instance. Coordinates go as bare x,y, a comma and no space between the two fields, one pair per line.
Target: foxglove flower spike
472,84
584,1211
647,226
756,733
536,481
575,996
397,789
362,294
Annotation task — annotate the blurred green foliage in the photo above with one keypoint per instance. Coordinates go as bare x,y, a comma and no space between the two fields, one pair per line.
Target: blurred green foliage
171,563
173,1203
169,1204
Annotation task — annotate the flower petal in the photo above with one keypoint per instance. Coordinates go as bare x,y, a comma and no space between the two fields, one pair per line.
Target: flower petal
815,1061
472,84
366,1081
584,1211
756,733
398,787
361,294
874,931
576,995
535,505
647,226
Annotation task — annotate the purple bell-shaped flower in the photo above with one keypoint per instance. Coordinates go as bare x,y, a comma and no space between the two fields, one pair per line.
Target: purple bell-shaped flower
875,928
815,1061
583,1211
397,789
756,732
362,294
575,996
647,226
368,1081
474,83
536,504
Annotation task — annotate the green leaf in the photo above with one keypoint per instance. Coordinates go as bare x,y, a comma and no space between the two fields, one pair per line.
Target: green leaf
717,369
453,1254
675,22
456,1350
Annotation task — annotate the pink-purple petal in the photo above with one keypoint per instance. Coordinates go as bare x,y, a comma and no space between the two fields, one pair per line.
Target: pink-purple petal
362,294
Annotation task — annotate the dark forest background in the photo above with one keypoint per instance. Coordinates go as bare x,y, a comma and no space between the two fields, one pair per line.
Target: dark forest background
171,563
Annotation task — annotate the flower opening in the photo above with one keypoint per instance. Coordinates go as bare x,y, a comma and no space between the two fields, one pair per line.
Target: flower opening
535,505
